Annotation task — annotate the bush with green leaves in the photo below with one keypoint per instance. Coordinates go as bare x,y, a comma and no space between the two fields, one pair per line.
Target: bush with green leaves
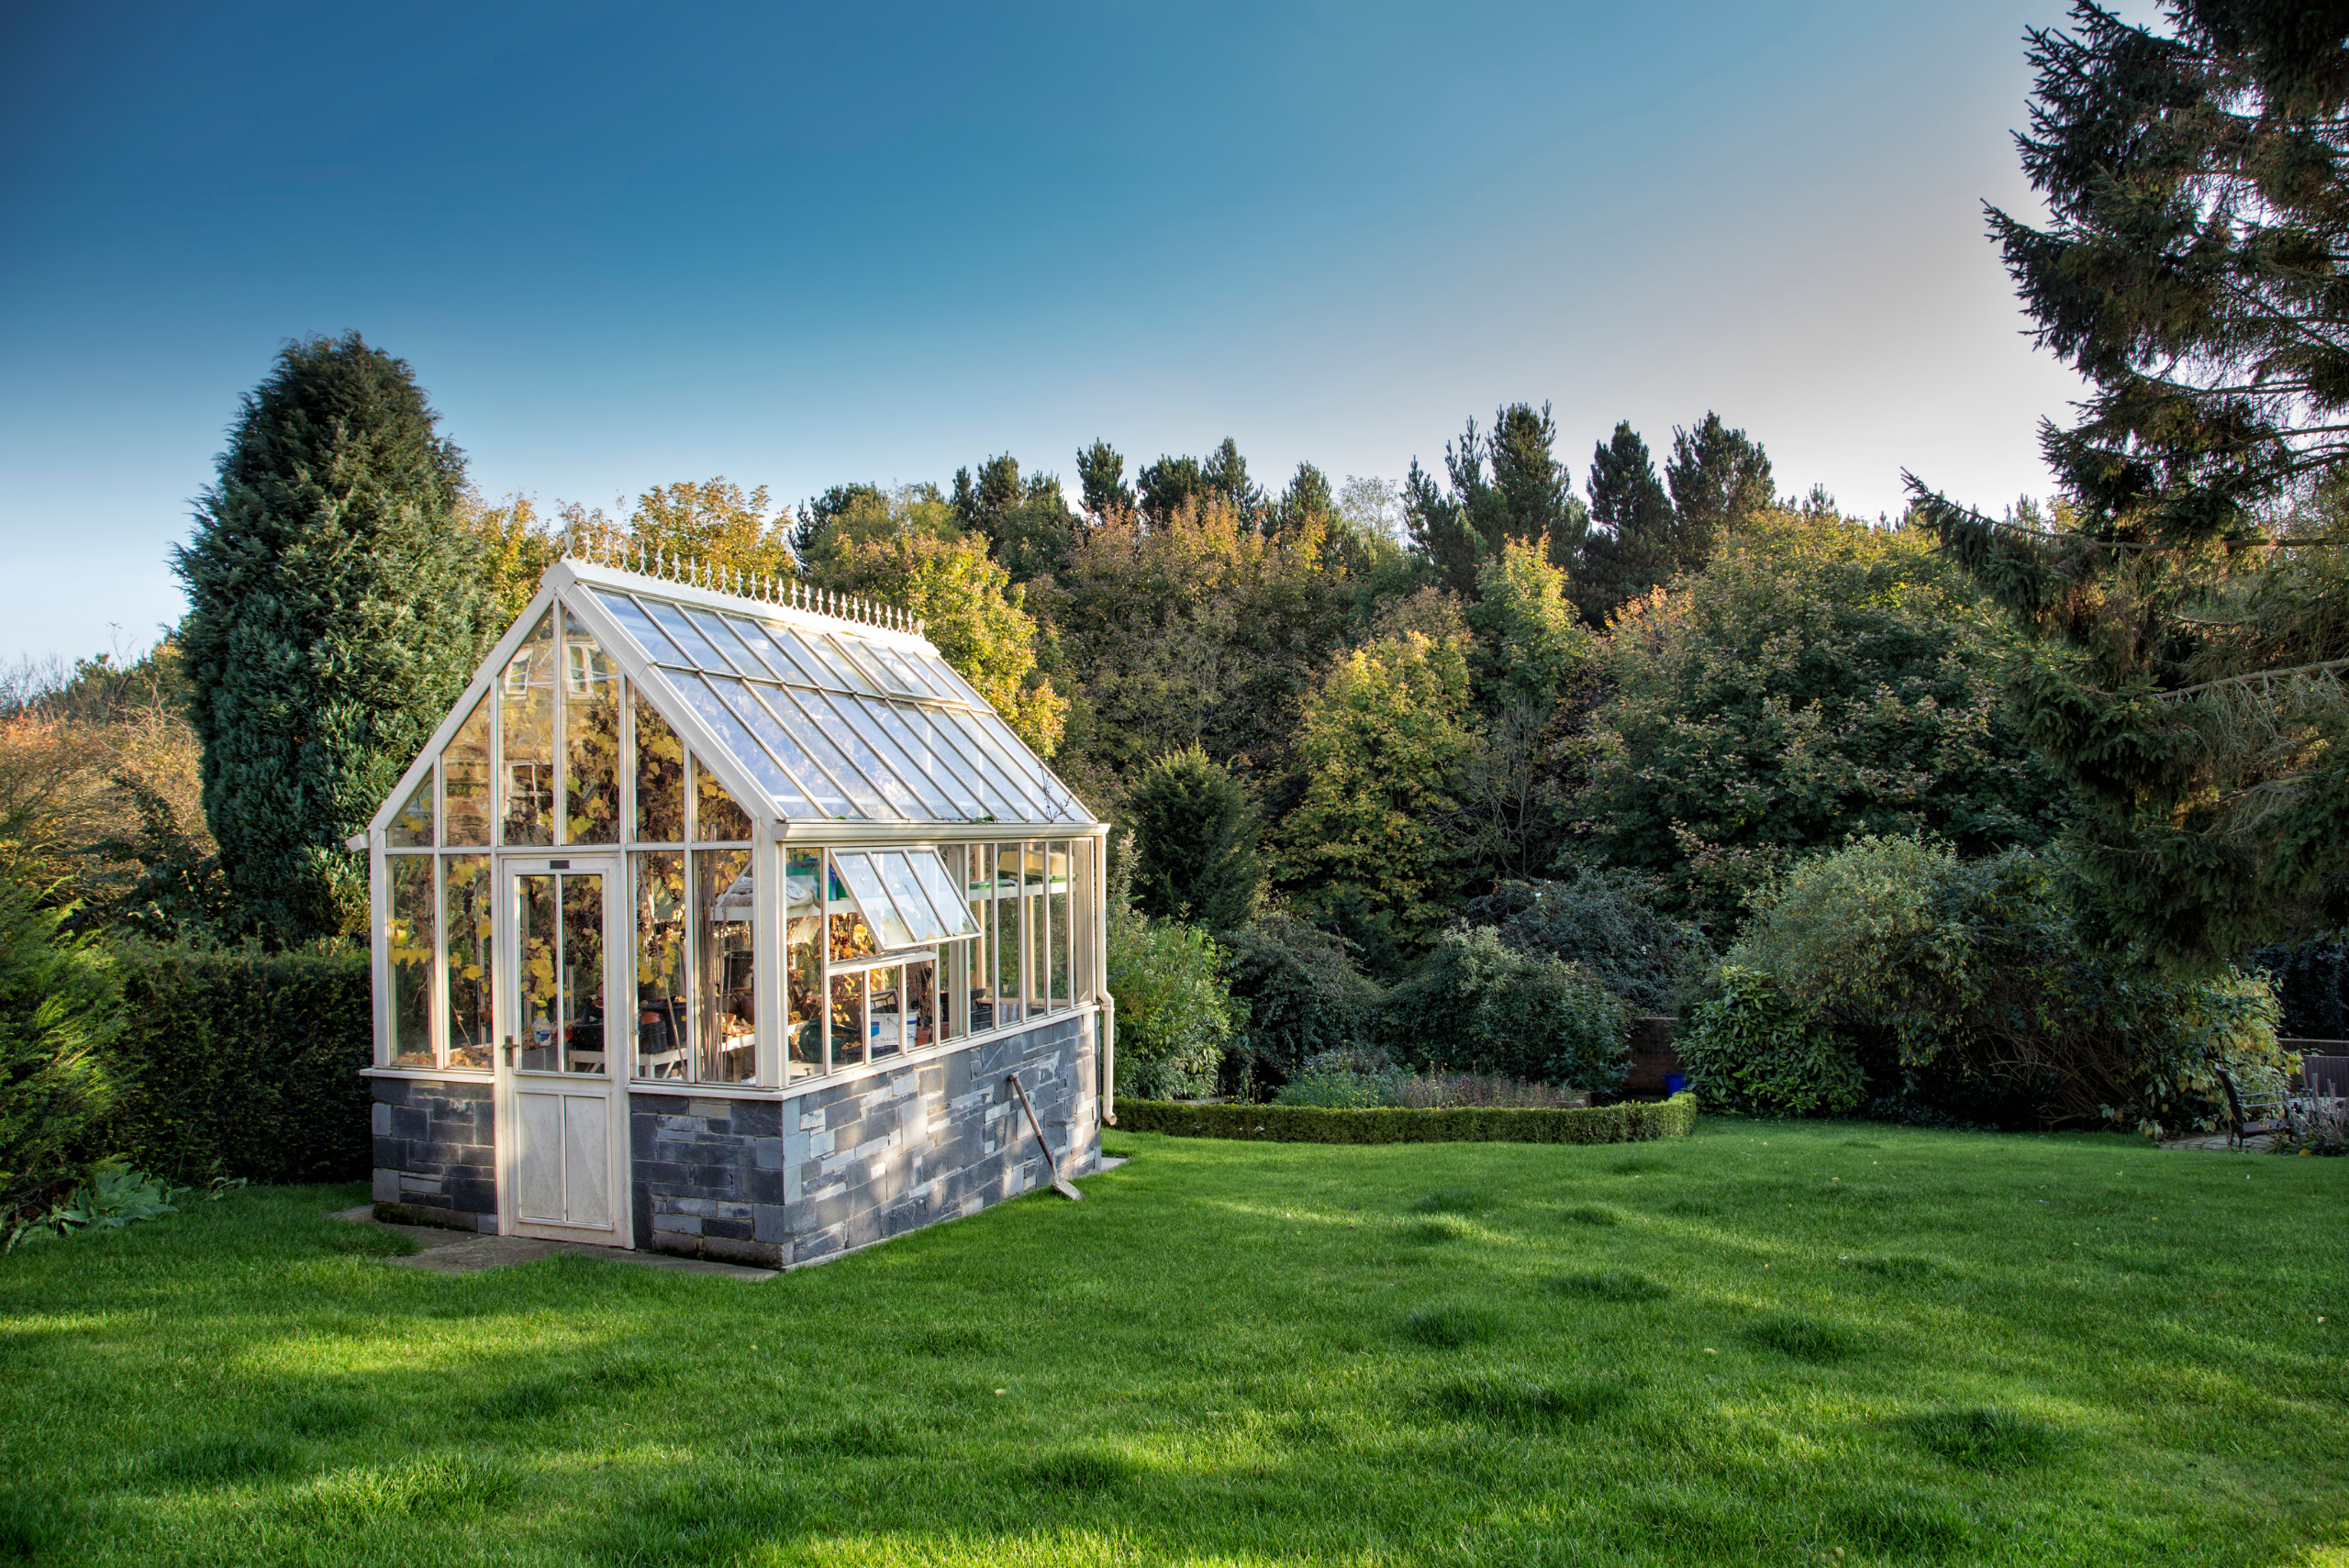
1477,1005
1604,918
1747,1048
1967,989
1175,1017
1305,996
61,1010
1196,833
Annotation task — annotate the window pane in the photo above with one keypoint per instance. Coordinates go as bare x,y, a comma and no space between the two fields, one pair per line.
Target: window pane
717,819
745,748
856,869
848,1019
922,1004
1083,923
583,974
1057,898
787,752
657,648
845,676
978,871
465,778
729,647
723,889
526,710
897,875
816,728
662,1030
591,740
696,645
411,825
1034,907
899,798
660,779
408,935
755,637
938,874
827,775
974,740
537,993
466,932
916,740
802,964
906,674
1009,987
885,1019
850,936
926,799
811,669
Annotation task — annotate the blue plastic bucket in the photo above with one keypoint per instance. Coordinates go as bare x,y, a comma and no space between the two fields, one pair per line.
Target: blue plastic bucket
1675,1082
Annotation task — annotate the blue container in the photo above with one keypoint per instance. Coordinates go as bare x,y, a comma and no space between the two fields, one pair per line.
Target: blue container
1675,1082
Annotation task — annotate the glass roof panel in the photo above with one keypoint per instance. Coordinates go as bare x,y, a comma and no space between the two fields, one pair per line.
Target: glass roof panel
778,663
746,751
1060,804
909,674
1007,801
818,745
876,770
636,624
859,713
812,783
681,632
870,664
1027,802
913,739
945,677
729,647
872,900
812,670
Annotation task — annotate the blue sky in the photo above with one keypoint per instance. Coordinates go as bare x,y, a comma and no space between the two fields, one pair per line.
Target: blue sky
797,245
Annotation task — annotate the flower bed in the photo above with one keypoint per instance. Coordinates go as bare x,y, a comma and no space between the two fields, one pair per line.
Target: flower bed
1629,1122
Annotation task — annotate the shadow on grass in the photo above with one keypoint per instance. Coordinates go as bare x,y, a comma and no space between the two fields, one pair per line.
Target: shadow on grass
1804,1338
1448,1327
1592,1214
1984,1437
1612,1284
220,1458
1506,1400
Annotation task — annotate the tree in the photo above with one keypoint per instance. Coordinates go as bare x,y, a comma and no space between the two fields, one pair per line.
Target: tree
1506,485
2185,607
335,609
1195,842
1025,521
1817,678
1169,485
1630,550
1307,497
61,1008
1718,478
1224,477
1101,473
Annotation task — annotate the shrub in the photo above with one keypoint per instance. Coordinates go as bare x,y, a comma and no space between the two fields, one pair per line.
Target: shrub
1967,989
1175,1017
1305,995
1195,842
61,1010
1748,1049
1628,1122
241,1063
1603,919
1479,1005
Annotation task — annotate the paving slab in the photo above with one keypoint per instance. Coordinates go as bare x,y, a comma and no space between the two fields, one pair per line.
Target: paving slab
2263,1144
462,1252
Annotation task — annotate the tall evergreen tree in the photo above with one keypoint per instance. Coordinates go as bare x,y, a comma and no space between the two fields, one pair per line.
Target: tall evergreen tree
1718,477
2189,644
1101,473
1508,485
1440,533
335,611
1225,477
1168,484
1630,548
1196,834
1025,521
1308,495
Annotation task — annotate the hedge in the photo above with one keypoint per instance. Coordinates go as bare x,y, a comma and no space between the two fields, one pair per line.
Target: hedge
1631,1121
241,1063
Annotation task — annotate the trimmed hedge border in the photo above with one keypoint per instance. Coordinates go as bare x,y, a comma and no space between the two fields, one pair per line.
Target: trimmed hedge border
1631,1121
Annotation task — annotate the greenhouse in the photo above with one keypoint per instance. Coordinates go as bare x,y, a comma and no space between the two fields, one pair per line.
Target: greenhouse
721,917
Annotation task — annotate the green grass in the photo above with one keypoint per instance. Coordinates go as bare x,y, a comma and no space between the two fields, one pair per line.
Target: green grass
1779,1343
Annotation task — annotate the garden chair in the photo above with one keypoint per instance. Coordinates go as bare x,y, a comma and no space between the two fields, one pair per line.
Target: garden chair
2254,1115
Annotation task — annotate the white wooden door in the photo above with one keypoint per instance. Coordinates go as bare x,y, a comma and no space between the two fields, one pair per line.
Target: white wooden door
562,1166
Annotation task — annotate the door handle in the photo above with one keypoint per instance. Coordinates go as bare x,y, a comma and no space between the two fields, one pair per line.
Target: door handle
509,1051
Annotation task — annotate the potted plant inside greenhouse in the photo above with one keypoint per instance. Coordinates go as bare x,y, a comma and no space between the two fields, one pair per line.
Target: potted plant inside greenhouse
721,917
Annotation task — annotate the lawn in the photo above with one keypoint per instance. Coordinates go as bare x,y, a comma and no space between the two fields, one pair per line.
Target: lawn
1765,1344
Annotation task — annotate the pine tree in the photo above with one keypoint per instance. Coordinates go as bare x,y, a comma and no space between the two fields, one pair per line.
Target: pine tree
1718,478
1630,548
1101,473
2185,607
1195,842
1308,495
335,610
1505,486
1025,522
1168,485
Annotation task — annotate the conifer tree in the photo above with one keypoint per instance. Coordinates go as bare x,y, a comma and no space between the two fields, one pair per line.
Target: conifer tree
1630,548
2189,641
1718,478
1101,473
1505,486
1195,842
335,611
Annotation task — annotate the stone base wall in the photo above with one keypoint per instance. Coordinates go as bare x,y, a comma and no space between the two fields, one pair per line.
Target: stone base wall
436,1154
794,1180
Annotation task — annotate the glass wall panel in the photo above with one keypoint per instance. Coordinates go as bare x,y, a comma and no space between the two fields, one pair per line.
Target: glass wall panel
855,867
885,1019
1085,923
409,936
905,891
411,826
802,963
660,779
848,1020
922,1004
1057,902
1008,986
717,819
978,871
591,740
583,973
662,1032
464,779
1033,908
526,733
538,987
466,933
725,964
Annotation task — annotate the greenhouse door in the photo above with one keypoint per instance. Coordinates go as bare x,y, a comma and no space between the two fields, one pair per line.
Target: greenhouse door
562,1151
